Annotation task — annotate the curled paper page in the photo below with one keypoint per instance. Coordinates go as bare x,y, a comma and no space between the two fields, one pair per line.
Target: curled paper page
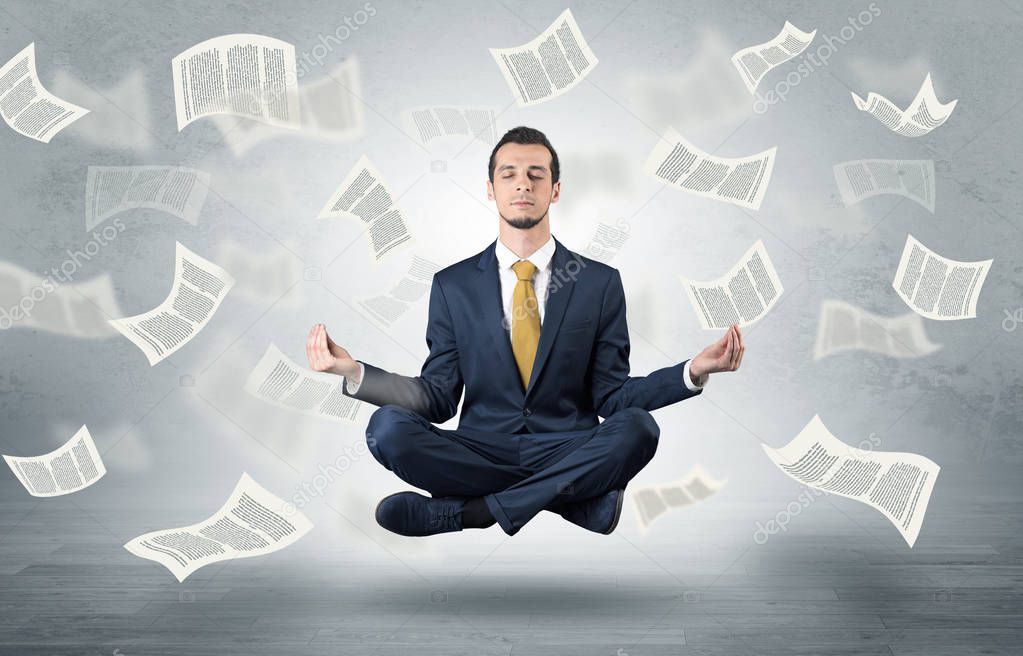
26,106
390,307
549,65
755,62
364,195
896,484
937,287
845,327
176,190
280,381
252,522
72,467
199,288
653,501
742,296
865,178
429,123
741,181
246,75
78,309
924,114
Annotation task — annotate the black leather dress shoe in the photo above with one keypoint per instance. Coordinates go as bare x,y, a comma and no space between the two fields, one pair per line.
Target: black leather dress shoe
599,514
408,513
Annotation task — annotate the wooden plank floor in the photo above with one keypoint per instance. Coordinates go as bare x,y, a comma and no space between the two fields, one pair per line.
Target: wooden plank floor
839,580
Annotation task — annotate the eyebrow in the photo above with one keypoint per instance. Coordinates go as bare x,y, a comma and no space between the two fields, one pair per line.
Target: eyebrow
536,167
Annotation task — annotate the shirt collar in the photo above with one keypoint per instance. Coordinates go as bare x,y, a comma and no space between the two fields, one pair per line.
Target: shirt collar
540,258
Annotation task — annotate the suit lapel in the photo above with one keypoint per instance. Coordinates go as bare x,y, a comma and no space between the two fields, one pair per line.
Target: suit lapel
491,309
564,270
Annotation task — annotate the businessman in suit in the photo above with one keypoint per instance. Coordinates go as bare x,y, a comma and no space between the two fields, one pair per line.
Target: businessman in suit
537,337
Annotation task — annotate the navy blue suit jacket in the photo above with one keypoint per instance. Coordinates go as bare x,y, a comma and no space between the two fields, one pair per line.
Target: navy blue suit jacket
581,368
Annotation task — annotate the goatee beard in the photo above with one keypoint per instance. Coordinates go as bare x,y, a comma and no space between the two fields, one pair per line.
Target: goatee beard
524,222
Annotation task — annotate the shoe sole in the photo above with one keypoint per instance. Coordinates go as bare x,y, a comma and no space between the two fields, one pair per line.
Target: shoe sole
618,513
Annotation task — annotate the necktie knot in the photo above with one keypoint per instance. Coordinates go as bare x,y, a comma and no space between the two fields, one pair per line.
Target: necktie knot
524,269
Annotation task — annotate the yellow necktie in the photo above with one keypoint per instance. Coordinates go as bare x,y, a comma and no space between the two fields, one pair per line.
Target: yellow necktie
525,323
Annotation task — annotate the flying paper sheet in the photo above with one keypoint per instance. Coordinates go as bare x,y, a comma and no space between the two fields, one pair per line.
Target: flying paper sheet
364,195
429,123
278,380
72,467
653,501
741,181
389,308
924,114
199,288
110,190
26,106
549,65
937,287
845,327
865,178
742,296
252,522
897,484
755,62
245,75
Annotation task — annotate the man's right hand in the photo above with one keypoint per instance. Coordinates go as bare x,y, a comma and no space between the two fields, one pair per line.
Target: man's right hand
325,355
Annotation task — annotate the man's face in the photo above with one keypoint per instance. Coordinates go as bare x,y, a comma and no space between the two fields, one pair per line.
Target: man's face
522,187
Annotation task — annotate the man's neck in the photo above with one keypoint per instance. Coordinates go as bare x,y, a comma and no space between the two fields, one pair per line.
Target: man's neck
524,242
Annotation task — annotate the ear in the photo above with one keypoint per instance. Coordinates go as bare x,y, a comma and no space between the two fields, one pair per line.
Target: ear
556,192
490,189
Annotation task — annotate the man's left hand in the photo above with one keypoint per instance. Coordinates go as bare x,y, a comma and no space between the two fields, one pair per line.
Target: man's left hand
723,355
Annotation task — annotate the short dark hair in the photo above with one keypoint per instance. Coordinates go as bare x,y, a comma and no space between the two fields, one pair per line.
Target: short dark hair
524,135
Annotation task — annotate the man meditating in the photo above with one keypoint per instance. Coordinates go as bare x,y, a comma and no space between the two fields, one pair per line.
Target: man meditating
536,335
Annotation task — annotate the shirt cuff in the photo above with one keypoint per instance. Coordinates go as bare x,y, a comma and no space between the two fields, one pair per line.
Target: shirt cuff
353,388
689,381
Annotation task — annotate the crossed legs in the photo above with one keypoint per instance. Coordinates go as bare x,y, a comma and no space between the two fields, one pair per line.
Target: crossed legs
517,475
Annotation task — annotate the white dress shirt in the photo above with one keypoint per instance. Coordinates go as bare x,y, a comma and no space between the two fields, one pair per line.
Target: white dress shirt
541,259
